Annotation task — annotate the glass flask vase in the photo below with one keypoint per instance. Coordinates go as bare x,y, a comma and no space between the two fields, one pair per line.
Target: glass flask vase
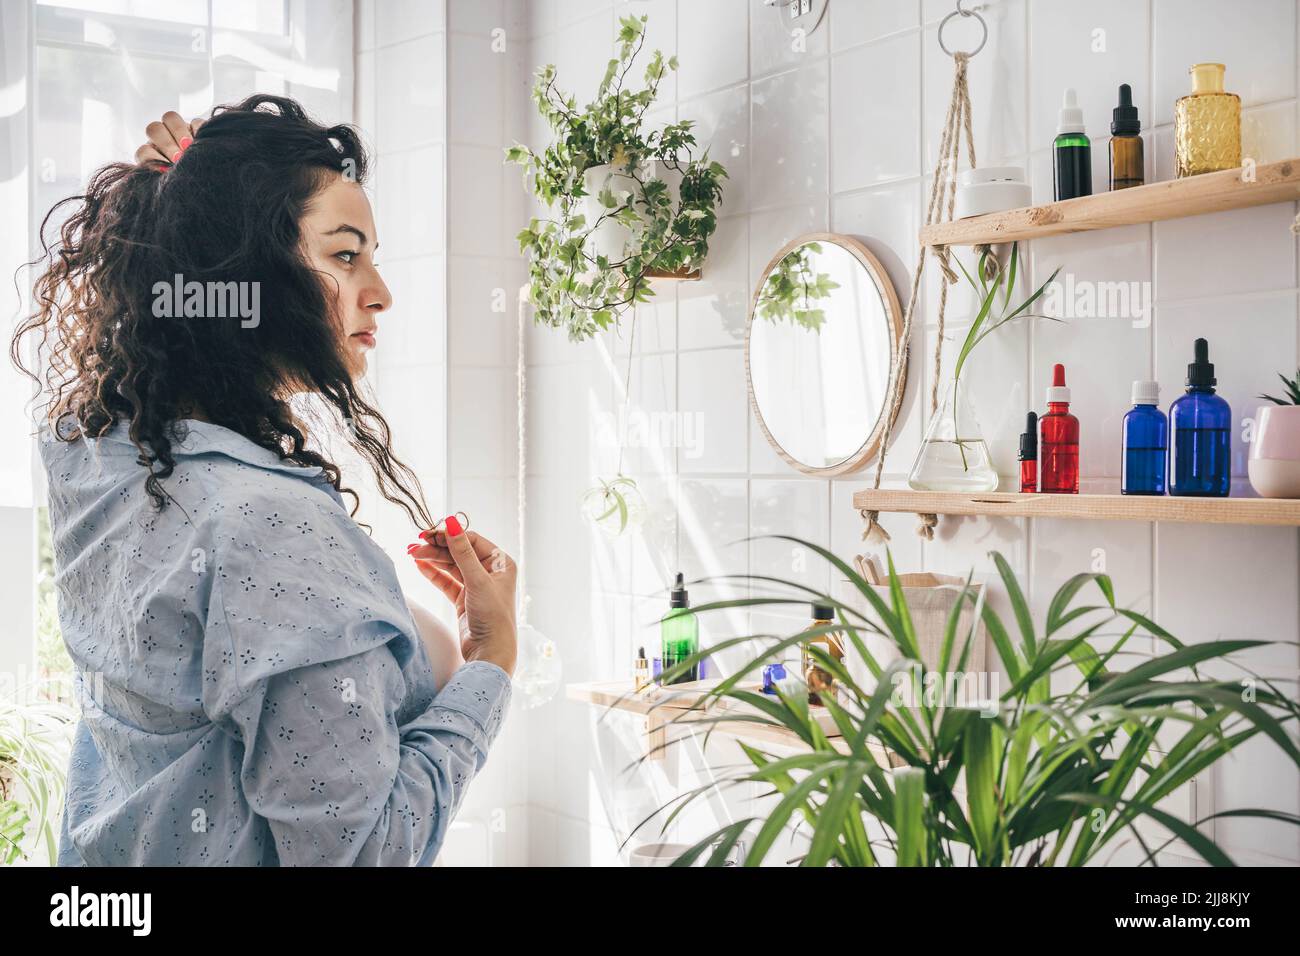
954,455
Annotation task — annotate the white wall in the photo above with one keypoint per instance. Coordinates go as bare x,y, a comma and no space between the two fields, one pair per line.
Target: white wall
431,99
839,137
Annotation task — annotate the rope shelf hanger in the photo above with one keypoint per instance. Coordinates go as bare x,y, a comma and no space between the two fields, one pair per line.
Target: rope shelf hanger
943,194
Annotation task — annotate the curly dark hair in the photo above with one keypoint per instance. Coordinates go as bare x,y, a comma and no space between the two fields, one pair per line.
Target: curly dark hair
229,210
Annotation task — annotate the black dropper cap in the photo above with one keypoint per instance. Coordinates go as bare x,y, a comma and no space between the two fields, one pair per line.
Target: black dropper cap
823,612
1201,373
1124,118
1029,440
679,597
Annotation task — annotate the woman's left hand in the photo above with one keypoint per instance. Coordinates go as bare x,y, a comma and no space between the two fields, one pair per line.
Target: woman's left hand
168,138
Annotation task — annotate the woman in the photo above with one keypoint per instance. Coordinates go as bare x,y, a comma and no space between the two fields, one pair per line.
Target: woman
255,689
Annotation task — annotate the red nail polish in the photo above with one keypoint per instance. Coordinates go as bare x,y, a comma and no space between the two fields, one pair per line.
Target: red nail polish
453,526
176,155
426,535
185,142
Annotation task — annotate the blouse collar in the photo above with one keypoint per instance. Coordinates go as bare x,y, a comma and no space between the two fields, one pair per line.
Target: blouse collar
206,438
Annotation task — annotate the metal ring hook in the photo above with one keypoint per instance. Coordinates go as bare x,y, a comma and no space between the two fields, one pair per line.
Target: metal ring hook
963,12
441,523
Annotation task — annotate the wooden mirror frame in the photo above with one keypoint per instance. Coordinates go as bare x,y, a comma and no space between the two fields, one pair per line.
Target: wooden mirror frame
893,315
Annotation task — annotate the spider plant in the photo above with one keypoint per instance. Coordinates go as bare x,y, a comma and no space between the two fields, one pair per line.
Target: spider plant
33,764
1054,770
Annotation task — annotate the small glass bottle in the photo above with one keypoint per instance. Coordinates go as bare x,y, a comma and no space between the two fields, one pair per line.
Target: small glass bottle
773,674
1201,425
1207,125
1146,443
821,683
1029,454
1126,160
1071,152
679,632
1058,441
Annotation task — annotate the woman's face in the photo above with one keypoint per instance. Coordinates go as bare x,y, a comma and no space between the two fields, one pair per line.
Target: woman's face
338,234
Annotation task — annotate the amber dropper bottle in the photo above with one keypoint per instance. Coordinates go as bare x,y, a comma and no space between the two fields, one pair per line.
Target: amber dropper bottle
1126,166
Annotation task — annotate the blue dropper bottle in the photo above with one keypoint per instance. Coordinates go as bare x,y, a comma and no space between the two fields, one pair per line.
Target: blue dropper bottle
1146,443
1201,425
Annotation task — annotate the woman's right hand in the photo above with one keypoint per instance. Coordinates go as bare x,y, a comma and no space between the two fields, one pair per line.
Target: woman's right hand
479,580
168,138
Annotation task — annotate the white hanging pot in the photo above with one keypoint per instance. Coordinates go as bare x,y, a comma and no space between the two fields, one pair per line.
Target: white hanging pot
610,238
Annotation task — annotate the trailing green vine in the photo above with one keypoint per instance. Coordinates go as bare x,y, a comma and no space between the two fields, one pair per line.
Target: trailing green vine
793,289
570,286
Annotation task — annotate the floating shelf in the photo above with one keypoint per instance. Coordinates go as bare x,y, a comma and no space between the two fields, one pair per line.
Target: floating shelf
673,704
1173,199
692,275
1261,511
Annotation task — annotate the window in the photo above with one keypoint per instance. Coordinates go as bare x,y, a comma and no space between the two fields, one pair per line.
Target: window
97,73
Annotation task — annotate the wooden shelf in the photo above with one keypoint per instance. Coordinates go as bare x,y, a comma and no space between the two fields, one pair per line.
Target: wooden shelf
1261,511
673,704
1174,199
692,275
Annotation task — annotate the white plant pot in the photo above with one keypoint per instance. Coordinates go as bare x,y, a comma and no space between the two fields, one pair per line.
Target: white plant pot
1274,465
656,854
611,239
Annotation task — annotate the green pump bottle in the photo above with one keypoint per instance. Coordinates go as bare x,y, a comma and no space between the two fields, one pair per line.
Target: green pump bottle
679,630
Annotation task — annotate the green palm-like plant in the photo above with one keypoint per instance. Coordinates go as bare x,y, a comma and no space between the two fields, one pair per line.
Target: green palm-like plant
1038,776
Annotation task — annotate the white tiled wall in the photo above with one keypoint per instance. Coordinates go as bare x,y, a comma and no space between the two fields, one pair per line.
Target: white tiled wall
433,101
840,136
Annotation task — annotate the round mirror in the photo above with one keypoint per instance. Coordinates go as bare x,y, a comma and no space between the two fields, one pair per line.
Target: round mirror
824,329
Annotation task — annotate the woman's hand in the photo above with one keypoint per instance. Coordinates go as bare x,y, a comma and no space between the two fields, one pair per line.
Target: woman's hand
479,580
168,138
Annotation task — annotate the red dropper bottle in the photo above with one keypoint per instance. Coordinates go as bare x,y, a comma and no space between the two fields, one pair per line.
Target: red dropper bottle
1029,454
1058,446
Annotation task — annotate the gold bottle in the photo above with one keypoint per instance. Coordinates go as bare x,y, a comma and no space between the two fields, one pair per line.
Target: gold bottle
821,682
1207,124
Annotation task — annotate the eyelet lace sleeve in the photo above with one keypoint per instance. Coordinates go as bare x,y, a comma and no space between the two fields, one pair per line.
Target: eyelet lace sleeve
303,660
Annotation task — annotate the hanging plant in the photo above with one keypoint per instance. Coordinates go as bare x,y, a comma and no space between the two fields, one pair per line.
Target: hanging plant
614,505
626,203
793,289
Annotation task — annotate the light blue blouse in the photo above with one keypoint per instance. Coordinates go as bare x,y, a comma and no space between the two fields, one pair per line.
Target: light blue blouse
252,684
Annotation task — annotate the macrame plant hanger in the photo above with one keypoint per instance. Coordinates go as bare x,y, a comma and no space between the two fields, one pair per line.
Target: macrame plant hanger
943,193
539,668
